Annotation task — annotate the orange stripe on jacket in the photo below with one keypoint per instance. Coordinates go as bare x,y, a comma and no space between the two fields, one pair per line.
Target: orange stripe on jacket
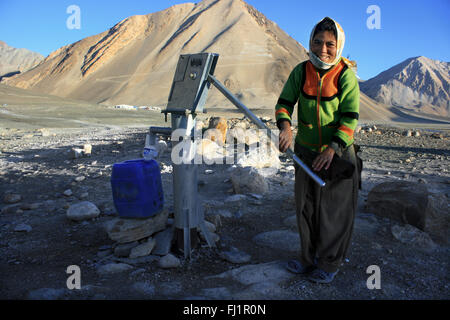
282,110
346,130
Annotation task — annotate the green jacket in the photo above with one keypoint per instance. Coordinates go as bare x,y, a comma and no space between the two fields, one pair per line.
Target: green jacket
328,107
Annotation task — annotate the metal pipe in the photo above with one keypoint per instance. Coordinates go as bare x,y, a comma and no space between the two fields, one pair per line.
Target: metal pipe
261,125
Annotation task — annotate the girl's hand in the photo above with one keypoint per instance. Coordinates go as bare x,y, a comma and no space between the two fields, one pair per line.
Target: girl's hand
285,137
323,160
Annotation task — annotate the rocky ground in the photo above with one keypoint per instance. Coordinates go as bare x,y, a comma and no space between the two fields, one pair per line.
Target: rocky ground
40,180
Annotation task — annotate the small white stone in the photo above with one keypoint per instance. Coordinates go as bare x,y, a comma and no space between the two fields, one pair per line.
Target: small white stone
80,178
112,268
82,211
169,261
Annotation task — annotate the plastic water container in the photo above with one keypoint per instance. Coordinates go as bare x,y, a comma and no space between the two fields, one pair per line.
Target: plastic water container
137,188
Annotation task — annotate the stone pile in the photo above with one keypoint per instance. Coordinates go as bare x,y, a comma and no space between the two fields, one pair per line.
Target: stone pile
139,238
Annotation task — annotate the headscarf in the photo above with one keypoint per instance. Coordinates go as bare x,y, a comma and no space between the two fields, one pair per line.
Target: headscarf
339,47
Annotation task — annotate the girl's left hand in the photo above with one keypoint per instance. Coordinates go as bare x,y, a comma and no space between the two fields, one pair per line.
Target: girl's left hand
323,160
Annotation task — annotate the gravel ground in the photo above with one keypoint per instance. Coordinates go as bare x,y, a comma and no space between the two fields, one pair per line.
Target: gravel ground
38,242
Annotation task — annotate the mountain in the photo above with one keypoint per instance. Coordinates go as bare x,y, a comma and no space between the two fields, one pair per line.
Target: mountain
134,62
14,61
417,84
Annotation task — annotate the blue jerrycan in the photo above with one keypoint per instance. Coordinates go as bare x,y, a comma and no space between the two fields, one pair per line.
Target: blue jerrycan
137,188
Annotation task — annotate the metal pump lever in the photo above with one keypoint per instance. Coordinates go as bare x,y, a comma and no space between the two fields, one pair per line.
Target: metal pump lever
261,125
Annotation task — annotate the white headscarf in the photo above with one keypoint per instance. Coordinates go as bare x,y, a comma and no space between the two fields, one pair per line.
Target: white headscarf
339,47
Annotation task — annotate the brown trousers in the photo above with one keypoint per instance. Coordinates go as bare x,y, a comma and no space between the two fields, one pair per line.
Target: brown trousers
325,216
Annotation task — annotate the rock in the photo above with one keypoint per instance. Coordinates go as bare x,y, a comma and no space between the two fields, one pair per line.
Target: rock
22,227
144,249
235,198
223,213
129,230
146,260
163,242
112,268
256,196
145,288
260,157
87,149
235,256
402,201
243,136
217,130
76,153
11,198
84,195
44,132
248,180
82,211
80,178
270,272
123,250
412,236
210,226
30,206
12,208
279,239
438,221
210,151
68,193
169,261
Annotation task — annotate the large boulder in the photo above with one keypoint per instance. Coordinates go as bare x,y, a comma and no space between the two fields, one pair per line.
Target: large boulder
403,201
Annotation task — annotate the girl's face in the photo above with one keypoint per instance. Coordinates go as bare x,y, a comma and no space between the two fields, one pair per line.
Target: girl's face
324,46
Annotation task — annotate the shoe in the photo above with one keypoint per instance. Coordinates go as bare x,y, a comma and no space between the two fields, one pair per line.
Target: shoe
321,276
296,267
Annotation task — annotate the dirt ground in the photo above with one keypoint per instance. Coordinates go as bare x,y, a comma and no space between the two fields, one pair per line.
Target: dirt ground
38,242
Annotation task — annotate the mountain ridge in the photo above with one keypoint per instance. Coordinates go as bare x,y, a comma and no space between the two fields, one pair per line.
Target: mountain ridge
418,83
14,61
133,62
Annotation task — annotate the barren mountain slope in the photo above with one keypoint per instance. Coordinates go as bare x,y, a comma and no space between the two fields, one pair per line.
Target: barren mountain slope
14,60
419,83
134,61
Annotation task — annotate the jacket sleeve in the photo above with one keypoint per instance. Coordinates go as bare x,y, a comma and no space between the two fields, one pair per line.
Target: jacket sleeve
349,109
288,97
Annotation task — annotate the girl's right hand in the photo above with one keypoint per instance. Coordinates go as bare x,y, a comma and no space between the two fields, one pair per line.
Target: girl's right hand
285,137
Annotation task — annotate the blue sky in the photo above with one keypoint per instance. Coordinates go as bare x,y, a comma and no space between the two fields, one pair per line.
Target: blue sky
408,28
